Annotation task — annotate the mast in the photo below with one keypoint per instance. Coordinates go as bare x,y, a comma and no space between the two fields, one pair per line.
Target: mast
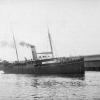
50,44
15,47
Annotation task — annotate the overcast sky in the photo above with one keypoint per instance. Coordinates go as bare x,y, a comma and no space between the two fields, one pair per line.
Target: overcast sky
74,26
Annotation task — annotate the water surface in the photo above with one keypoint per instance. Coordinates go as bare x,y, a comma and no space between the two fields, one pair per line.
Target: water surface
30,87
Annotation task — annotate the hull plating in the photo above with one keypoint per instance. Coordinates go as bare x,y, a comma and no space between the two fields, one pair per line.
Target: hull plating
52,68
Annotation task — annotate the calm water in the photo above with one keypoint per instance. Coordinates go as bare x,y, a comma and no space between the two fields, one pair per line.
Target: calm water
30,87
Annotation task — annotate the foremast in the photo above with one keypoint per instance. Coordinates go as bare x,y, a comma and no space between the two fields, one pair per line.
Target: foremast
15,47
51,47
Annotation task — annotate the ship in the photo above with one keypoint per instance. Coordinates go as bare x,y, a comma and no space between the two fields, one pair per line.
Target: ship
45,66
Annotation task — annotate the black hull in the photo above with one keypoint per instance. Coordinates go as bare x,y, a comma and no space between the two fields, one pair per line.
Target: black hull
71,68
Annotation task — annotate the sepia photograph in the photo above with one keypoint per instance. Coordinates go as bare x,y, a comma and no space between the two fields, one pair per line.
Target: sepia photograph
49,50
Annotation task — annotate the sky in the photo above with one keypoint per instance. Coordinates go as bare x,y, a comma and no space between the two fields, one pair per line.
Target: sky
74,26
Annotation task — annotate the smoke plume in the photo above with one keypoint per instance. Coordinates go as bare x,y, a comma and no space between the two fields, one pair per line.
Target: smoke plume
6,44
11,45
25,44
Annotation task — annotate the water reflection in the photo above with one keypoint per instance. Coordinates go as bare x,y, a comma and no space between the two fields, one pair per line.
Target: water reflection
54,87
35,83
30,87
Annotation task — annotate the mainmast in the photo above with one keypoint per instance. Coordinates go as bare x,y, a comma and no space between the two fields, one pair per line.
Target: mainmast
50,44
15,47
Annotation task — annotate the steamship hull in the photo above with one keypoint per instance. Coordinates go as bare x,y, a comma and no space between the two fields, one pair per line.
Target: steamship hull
74,67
